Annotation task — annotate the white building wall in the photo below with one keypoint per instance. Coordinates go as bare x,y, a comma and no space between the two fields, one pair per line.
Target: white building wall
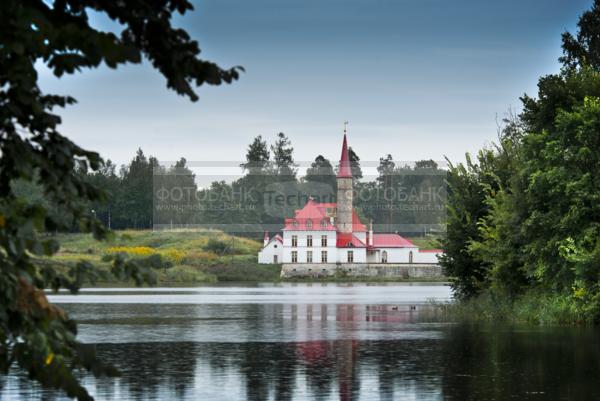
266,255
394,255
427,257
316,246
359,254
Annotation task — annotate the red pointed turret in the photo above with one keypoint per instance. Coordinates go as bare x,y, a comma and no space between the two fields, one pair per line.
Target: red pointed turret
345,170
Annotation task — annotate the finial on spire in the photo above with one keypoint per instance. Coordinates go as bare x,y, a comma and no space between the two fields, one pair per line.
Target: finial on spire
345,127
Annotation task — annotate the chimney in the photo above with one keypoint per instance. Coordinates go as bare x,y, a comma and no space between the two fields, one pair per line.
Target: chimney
266,239
370,239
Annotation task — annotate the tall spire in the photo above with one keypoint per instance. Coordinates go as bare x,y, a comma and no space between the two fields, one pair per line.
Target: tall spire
345,171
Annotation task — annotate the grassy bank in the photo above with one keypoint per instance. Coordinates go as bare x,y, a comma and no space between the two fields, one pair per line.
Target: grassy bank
205,256
533,307
192,256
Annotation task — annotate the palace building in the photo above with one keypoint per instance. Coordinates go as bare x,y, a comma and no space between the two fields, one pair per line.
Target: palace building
332,233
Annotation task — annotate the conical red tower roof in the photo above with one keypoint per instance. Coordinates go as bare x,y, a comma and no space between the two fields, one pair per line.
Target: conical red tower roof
345,170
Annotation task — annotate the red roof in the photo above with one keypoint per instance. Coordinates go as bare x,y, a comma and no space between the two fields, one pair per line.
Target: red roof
356,223
349,240
431,251
391,241
345,170
314,216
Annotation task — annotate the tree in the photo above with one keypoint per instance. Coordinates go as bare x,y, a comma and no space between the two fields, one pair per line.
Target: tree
525,216
257,156
426,165
173,195
583,50
321,170
283,157
466,206
36,335
107,179
138,180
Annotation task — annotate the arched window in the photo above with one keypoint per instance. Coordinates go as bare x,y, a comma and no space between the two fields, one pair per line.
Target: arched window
309,224
384,257
410,257
295,224
324,223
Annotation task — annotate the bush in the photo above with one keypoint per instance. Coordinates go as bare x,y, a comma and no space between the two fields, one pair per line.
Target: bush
219,247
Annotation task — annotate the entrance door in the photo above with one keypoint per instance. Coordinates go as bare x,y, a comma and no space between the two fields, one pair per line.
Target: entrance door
275,259
384,257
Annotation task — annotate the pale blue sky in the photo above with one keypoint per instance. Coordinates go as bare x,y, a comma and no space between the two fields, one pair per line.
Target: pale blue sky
415,78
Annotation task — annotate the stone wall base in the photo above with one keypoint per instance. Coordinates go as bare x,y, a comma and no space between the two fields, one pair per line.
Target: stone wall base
387,270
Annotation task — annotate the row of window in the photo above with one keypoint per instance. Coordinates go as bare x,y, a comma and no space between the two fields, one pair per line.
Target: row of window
309,256
309,224
309,241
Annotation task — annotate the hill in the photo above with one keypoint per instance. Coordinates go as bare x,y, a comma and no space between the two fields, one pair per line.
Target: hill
194,256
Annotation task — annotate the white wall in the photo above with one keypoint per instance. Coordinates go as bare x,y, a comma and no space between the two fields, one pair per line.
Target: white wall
394,255
316,247
360,255
265,256
427,257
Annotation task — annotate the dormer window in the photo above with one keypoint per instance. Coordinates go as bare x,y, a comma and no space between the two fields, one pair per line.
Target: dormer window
309,224
324,223
295,224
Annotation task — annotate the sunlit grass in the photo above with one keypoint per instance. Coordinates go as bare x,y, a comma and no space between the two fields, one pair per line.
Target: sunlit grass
189,252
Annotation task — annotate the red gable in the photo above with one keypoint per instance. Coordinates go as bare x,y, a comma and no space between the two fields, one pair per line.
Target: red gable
314,217
391,241
349,240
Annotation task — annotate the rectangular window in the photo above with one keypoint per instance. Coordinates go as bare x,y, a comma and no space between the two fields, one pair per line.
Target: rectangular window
323,240
309,241
308,256
294,256
323,256
294,241
350,256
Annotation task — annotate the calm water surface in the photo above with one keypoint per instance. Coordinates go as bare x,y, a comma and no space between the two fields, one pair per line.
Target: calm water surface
315,342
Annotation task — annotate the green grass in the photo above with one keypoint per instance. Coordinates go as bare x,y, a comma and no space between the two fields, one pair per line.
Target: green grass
194,257
427,242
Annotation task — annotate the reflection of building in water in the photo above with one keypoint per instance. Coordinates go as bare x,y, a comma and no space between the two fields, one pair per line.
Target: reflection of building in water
334,365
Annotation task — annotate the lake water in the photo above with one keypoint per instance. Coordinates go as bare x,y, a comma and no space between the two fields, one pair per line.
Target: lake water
315,342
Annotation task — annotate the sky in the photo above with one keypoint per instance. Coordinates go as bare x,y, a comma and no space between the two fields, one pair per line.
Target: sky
418,79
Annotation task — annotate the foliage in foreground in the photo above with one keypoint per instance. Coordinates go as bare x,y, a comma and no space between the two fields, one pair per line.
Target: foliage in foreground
40,337
531,307
524,216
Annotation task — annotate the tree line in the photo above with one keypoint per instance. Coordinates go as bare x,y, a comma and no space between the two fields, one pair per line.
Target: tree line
524,214
269,190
